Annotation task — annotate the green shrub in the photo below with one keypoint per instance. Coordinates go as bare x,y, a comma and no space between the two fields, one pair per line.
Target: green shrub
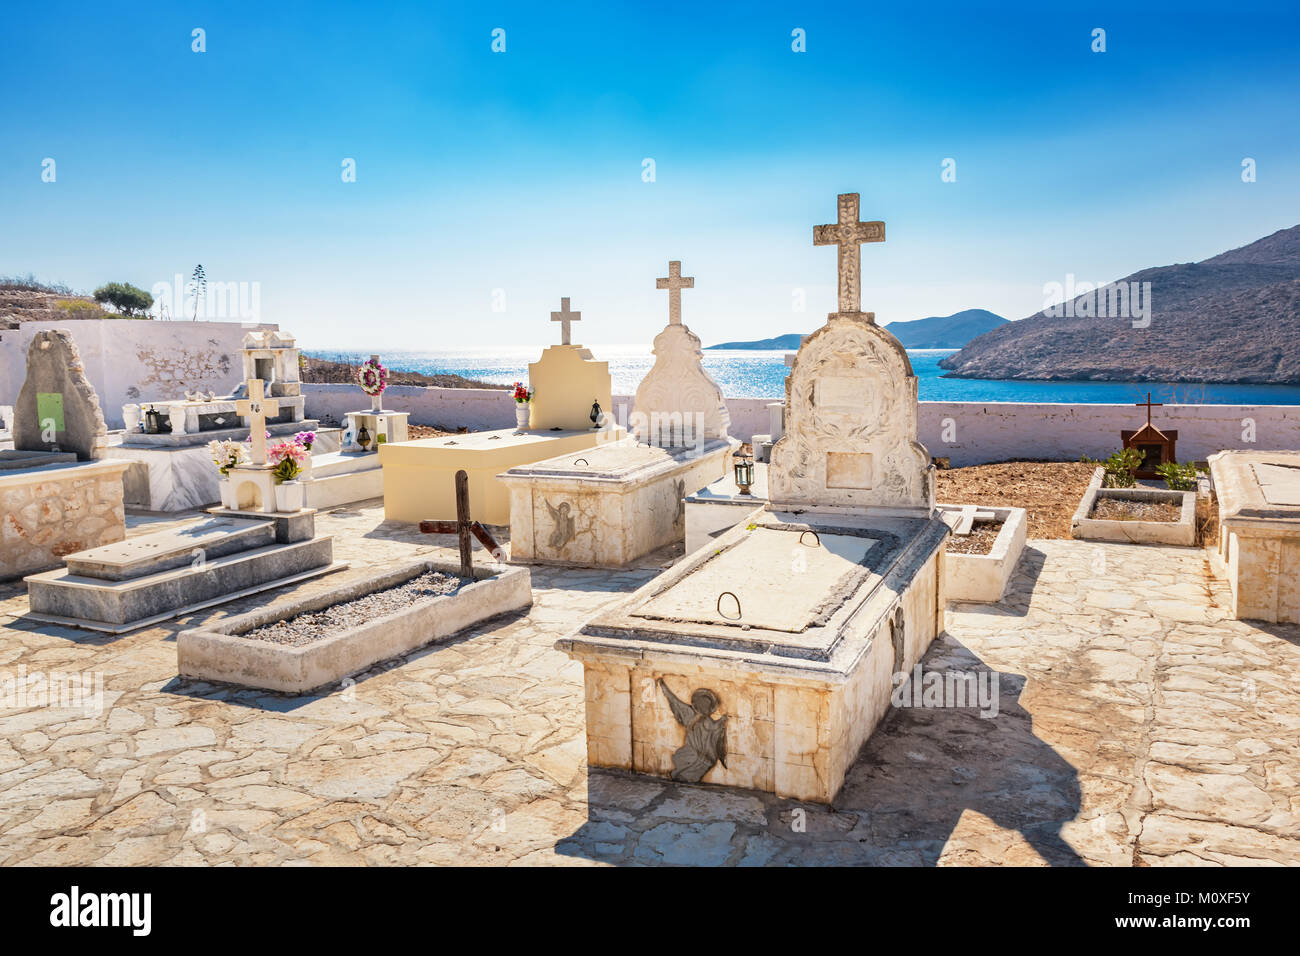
1120,468
1178,477
77,309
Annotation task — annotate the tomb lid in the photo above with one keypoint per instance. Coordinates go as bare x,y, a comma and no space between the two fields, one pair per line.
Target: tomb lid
1258,490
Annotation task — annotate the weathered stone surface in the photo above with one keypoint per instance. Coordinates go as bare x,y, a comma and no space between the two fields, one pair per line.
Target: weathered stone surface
57,408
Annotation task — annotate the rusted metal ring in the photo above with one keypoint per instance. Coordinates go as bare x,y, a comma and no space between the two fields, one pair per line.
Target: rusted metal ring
814,534
583,460
739,612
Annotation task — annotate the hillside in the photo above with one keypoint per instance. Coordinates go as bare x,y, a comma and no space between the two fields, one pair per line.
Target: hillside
26,300
1234,317
945,331
937,332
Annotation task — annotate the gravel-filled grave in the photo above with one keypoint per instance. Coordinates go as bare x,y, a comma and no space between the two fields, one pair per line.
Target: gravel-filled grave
1123,509
980,540
317,625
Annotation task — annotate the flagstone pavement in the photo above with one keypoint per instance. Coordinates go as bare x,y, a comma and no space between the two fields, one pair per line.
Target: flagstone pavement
1137,725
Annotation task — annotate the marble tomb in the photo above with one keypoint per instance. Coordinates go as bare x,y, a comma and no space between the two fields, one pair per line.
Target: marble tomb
767,660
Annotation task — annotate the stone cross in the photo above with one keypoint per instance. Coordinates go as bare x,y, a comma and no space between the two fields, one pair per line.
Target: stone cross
848,233
254,408
1148,405
675,282
564,317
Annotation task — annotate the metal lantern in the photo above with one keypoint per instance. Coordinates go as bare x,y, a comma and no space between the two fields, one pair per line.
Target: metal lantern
363,438
153,422
596,414
744,474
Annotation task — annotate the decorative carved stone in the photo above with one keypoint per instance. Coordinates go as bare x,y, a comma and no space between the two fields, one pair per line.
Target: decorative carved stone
57,406
678,402
706,737
851,424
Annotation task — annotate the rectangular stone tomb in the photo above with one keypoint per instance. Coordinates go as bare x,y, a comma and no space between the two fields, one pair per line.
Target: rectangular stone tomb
1086,526
608,506
420,476
766,661
1258,550
983,578
220,652
153,577
232,427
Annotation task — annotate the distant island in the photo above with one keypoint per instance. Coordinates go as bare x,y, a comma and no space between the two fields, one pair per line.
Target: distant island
936,332
1231,319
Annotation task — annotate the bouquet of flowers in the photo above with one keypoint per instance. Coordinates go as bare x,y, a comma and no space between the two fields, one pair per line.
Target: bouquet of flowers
288,457
521,393
306,439
226,454
372,377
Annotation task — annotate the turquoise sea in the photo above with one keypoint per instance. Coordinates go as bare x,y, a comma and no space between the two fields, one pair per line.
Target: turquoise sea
746,374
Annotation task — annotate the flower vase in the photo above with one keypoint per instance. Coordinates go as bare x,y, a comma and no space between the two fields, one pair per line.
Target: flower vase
227,490
522,410
288,496
377,402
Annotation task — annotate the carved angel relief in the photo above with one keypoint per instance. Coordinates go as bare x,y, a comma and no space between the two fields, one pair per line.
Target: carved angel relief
706,737
565,529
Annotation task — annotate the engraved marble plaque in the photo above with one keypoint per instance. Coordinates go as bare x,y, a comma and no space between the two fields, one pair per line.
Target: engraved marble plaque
848,470
842,391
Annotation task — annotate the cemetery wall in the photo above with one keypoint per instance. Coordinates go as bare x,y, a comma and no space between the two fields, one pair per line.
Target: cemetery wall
967,433
129,360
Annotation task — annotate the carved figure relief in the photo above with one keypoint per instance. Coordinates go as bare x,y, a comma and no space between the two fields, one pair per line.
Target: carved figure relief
706,737
565,527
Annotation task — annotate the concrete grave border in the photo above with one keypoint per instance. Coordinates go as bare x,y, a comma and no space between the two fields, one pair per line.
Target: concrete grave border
217,652
1181,532
983,578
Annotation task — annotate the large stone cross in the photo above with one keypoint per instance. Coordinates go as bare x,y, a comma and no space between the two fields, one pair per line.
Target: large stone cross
849,234
564,317
675,282
254,408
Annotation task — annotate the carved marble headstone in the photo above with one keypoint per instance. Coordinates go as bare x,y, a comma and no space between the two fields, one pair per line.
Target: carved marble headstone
678,402
57,407
851,414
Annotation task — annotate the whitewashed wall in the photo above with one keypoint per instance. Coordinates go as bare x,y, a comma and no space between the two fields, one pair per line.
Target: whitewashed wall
967,433
132,359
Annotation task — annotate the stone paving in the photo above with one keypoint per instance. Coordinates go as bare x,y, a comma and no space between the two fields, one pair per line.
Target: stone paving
1136,725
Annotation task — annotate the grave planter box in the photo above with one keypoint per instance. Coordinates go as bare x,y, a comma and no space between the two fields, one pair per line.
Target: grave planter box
1180,532
982,578
218,652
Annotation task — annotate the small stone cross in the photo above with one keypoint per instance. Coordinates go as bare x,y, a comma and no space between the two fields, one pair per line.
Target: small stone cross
675,282
254,408
564,317
848,233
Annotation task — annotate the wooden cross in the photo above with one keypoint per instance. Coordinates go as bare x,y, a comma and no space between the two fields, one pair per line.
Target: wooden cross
1148,405
849,234
675,282
254,408
564,317
463,527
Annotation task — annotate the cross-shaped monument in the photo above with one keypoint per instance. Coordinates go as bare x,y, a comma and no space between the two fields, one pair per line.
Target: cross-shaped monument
849,234
1148,405
254,408
564,316
675,282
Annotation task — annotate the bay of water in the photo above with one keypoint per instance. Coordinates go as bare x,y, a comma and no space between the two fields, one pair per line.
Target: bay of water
747,374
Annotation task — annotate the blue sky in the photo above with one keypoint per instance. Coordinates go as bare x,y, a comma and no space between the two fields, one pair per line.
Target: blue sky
515,178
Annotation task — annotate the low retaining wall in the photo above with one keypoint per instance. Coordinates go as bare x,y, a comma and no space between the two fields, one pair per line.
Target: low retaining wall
966,433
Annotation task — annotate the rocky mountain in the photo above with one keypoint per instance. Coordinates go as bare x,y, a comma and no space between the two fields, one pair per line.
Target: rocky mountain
1234,317
945,331
937,332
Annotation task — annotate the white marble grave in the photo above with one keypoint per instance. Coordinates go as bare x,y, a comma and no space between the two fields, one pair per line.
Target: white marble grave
766,660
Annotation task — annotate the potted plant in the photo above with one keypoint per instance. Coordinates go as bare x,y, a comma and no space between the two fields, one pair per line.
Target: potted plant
226,455
523,397
373,379
287,459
